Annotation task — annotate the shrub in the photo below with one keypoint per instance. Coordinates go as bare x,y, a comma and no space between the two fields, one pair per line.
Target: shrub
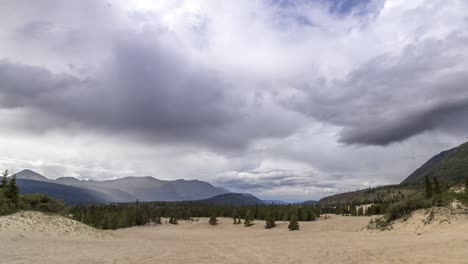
405,207
248,219
269,222
41,202
6,206
213,220
293,224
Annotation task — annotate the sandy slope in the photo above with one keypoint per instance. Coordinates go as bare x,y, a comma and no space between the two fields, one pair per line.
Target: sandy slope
337,240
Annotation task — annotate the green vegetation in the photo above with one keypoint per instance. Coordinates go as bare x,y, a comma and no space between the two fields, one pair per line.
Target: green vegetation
114,216
293,224
428,187
248,219
213,220
269,221
449,167
378,195
11,201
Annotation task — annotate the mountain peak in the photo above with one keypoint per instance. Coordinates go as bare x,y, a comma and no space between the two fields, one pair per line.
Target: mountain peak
30,175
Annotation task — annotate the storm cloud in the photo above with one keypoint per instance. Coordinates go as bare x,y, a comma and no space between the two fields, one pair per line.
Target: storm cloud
145,90
394,97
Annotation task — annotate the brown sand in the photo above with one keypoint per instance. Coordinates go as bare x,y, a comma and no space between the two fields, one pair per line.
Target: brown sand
336,240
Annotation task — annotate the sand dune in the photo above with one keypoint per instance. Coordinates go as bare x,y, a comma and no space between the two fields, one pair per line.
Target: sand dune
437,220
336,240
41,225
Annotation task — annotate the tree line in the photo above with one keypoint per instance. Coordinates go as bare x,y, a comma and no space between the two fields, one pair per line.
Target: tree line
121,215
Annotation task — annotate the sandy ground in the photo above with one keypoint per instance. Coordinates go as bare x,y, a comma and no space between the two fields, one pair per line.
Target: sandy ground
37,238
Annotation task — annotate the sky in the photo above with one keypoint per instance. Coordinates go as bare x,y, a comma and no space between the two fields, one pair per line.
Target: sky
291,100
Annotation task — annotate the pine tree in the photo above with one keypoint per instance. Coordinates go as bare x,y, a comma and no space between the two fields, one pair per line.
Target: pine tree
239,221
12,191
269,222
436,186
4,182
293,224
213,220
360,211
234,216
248,219
428,187
464,196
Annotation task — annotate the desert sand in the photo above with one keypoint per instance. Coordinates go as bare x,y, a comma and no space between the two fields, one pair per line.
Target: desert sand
28,237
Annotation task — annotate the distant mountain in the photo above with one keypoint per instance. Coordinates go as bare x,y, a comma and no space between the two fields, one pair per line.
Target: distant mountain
30,175
223,189
69,194
131,188
310,202
274,202
449,167
232,199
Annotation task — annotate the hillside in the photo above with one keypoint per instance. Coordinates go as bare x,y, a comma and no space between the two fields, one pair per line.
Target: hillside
449,167
382,194
126,189
232,199
69,194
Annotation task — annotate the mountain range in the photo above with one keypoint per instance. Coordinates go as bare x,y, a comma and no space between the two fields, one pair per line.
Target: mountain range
73,190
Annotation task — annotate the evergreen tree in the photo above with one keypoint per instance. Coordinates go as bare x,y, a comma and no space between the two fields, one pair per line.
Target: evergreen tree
293,224
269,222
4,182
436,186
213,220
428,187
12,191
466,185
239,221
234,216
437,191
360,211
248,219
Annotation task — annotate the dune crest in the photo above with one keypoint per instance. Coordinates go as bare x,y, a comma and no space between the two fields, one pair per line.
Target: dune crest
36,224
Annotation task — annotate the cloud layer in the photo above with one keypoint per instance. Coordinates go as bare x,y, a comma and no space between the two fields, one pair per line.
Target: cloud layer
264,96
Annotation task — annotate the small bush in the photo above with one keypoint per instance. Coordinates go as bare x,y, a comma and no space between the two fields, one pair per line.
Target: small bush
405,207
41,202
269,222
213,220
293,224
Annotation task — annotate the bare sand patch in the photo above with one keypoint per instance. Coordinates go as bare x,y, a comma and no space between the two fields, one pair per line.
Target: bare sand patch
437,220
336,240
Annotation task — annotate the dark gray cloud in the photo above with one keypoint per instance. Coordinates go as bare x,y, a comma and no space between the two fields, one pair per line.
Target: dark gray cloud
394,97
145,90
